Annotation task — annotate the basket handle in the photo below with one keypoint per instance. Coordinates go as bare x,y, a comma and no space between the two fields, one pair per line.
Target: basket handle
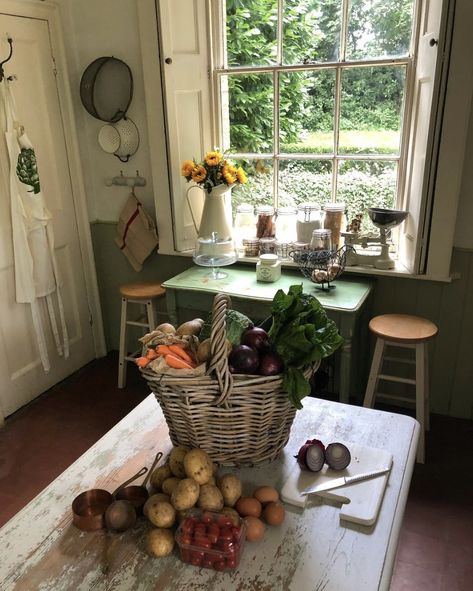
218,348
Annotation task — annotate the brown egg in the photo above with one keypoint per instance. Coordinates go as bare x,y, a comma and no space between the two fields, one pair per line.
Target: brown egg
254,528
248,506
266,494
274,513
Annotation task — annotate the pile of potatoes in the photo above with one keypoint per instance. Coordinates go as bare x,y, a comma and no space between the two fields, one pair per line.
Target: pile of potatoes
186,480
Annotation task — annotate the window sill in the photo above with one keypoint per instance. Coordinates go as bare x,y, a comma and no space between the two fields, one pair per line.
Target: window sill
399,270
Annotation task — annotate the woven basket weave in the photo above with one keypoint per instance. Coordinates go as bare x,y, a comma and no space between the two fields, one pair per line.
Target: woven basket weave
238,419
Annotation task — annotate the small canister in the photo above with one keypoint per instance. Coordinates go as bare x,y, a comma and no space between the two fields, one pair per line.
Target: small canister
321,240
268,268
267,245
250,247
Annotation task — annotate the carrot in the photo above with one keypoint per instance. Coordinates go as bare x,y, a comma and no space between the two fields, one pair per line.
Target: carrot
179,352
163,350
142,361
151,354
177,362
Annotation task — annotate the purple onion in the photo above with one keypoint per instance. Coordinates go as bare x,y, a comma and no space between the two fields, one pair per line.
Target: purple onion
337,456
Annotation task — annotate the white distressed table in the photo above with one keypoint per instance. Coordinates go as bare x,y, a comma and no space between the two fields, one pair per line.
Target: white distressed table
313,550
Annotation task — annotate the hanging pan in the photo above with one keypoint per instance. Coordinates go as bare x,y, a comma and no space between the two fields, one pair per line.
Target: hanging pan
106,89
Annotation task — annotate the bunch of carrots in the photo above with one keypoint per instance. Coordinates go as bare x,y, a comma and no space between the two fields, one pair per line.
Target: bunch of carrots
174,355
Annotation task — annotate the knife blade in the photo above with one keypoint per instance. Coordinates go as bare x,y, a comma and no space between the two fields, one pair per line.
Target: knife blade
343,481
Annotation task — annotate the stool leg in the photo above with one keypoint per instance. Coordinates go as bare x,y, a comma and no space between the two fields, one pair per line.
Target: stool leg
420,398
150,313
375,370
122,352
426,387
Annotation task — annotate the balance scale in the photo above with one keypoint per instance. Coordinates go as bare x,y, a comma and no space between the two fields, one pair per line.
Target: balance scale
385,220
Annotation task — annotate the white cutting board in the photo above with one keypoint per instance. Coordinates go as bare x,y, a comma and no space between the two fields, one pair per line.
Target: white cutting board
361,501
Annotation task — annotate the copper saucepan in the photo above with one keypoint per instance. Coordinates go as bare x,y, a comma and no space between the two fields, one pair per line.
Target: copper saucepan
88,508
138,494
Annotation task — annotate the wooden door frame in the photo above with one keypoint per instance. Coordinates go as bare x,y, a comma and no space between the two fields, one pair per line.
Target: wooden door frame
49,11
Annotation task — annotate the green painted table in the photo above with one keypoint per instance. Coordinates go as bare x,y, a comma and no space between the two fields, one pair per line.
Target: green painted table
190,294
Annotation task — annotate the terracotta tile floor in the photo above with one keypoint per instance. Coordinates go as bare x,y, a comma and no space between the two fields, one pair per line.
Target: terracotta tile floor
436,546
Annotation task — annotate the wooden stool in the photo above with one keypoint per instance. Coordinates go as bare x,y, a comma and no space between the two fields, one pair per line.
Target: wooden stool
402,330
142,294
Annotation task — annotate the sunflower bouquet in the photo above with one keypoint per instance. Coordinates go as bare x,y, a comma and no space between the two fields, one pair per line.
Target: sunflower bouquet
214,170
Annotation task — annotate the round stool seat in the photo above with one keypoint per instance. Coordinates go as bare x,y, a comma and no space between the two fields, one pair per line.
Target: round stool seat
142,291
403,328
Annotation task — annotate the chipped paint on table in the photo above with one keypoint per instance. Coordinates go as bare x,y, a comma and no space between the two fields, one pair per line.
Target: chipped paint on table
310,551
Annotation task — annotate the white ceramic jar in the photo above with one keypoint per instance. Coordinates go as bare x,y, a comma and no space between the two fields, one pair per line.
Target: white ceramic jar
268,268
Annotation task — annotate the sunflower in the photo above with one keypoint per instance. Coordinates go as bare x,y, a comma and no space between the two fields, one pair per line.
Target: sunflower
213,158
229,173
199,174
241,176
187,168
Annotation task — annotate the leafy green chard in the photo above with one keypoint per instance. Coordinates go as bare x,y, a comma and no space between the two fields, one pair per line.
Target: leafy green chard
302,334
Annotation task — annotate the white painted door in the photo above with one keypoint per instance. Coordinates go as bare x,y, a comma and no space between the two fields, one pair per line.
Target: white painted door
21,373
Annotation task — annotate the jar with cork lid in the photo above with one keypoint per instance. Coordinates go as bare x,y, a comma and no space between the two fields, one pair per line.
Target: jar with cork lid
265,226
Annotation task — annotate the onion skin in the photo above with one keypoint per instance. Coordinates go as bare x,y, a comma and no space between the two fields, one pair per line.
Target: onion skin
270,363
256,338
337,456
302,454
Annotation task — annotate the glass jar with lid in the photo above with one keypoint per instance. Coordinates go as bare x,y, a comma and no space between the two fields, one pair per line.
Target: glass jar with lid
334,221
286,218
308,220
265,227
244,224
267,245
321,239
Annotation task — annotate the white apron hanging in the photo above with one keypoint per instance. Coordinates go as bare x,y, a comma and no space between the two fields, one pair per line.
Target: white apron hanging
36,273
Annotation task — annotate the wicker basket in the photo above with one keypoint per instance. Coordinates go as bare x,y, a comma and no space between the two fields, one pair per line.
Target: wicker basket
238,419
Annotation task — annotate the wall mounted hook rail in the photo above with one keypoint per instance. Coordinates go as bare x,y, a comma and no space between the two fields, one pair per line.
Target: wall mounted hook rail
126,181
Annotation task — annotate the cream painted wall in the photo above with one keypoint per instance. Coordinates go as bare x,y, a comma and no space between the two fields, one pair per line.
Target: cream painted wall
95,29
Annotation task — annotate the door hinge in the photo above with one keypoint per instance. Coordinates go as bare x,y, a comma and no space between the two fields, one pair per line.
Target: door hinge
54,66
91,320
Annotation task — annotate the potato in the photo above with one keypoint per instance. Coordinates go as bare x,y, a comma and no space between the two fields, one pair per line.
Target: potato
159,542
162,514
166,327
231,488
176,460
185,495
159,475
212,481
170,484
203,351
210,498
154,499
198,465
191,327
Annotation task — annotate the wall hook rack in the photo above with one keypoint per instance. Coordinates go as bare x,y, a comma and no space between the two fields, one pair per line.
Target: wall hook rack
126,181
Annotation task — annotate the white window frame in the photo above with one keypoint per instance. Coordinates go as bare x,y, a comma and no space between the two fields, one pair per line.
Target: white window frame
446,143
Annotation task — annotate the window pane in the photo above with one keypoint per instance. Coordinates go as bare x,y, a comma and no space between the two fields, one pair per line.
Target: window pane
372,102
311,31
363,184
247,112
301,181
251,32
307,103
259,188
379,28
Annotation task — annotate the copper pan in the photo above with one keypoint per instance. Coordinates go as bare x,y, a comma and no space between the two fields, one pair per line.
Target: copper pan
137,495
88,508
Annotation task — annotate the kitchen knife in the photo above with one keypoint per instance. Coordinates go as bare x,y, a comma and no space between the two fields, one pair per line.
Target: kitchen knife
343,481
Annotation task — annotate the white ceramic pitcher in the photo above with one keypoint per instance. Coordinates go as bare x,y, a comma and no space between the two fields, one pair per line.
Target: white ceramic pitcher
216,214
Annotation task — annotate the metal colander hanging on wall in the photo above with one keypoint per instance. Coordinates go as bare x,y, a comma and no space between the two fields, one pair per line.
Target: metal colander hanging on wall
121,139
106,89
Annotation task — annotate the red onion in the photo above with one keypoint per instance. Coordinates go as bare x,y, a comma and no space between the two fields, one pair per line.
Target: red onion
337,456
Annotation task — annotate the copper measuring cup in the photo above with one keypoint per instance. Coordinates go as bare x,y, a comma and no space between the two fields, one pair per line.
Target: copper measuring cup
88,508
137,495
